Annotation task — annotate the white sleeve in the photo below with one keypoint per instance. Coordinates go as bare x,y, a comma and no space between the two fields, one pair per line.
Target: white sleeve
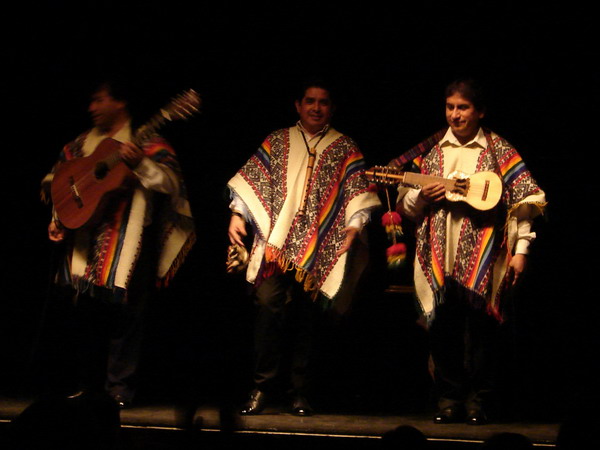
524,236
411,202
524,216
156,177
238,205
359,219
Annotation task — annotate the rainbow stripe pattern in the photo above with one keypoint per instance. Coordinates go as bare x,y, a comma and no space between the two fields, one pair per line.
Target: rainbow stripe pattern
330,209
481,261
511,168
112,245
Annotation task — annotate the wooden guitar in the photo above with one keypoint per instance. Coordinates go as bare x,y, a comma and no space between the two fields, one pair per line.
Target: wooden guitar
481,190
81,187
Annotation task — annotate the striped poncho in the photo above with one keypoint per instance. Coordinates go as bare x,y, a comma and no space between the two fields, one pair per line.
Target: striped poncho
271,186
486,240
101,259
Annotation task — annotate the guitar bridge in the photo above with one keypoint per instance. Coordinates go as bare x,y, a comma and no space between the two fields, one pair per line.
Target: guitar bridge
75,193
486,189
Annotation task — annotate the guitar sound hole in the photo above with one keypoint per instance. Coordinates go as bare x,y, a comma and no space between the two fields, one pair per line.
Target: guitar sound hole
101,170
461,186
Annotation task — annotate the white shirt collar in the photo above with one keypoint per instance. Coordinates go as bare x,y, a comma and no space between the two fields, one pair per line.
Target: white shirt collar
309,136
479,139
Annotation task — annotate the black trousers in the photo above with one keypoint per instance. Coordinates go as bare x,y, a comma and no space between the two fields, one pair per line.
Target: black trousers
284,332
94,341
464,348
109,344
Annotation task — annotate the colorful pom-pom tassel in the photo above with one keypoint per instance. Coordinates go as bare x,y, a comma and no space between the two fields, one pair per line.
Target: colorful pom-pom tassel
396,255
391,220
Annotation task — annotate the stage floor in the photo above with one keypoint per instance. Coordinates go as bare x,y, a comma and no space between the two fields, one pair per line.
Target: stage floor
166,418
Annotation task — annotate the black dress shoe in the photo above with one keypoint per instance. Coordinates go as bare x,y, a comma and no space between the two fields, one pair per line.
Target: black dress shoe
255,404
451,414
77,394
301,407
477,417
122,402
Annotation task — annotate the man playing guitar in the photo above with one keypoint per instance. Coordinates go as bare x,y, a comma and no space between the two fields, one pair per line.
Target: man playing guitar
139,236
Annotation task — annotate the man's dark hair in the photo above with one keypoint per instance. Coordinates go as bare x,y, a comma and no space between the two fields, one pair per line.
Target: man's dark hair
470,89
118,89
315,83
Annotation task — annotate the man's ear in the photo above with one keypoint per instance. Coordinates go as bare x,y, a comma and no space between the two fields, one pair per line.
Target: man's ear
482,114
122,105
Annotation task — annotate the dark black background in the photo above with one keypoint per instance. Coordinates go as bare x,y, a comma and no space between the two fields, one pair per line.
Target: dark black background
390,63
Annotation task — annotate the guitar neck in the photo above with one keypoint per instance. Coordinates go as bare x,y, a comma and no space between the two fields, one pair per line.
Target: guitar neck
148,129
181,107
416,179
420,179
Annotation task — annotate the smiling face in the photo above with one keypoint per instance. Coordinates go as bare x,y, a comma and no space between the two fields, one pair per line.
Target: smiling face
315,109
463,117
